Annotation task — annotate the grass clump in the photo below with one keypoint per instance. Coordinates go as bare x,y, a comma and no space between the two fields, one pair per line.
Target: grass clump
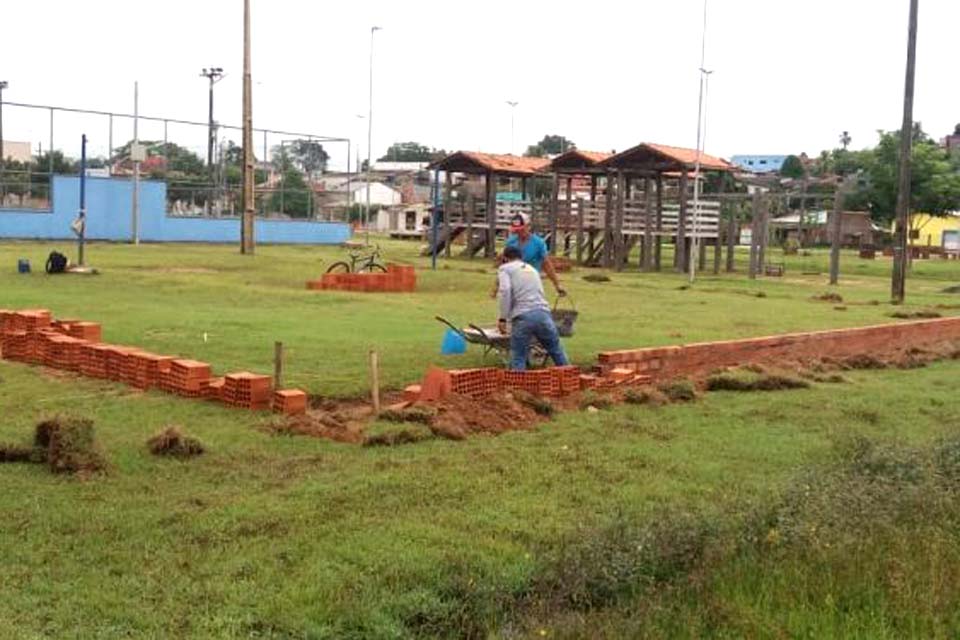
591,398
679,390
172,442
596,277
393,436
16,453
735,381
70,445
418,415
644,396
540,406
828,297
915,315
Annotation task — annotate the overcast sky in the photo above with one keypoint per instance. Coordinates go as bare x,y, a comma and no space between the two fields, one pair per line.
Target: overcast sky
789,75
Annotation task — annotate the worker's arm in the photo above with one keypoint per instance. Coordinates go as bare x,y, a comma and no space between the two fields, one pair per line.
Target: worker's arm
506,300
552,274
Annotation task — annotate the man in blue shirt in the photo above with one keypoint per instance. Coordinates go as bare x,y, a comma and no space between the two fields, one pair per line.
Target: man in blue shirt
533,249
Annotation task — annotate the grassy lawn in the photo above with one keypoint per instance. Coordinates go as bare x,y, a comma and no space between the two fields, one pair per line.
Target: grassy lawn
284,537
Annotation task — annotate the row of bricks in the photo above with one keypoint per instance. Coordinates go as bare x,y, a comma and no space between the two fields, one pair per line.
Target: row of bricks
398,278
189,378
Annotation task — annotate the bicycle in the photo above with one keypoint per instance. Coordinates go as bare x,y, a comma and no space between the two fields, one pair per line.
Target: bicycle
359,263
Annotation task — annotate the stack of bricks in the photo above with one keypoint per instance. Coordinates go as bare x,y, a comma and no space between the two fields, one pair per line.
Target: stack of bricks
397,279
187,378
290,401
143,370
75,345
554,382
247,390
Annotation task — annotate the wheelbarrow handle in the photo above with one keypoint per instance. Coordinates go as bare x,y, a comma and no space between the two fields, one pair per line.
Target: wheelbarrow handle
456,329
556,302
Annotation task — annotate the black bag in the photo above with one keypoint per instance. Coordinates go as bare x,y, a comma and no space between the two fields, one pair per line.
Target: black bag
56,262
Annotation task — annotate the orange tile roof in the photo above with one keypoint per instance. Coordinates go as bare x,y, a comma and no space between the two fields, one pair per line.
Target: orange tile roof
679,156
494,162
689,157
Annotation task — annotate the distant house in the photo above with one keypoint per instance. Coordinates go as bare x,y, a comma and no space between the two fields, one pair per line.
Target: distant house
935,231
856,228
759,164
340,191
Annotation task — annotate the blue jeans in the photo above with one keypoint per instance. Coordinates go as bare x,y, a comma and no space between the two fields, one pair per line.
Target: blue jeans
534,324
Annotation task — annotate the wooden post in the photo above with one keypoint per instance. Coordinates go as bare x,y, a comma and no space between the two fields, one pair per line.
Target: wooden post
471,212
277,365
608,223
375,381
647,253
762,239
618,244
753,236
447,210
553,213
702,255
836,231
490,250
901,246
680,257
523,189
718,246
658,240
580,212
733,233
593,188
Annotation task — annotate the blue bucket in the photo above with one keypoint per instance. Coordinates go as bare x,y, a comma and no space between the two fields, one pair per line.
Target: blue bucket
453,344
23,265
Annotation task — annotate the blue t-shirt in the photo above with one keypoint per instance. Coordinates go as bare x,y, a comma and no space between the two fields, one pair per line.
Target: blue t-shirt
533,251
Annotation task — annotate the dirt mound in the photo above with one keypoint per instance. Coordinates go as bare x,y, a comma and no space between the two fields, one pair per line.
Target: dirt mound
15,453
915,315
317,424
459,416
173,442
397,438
764,382
828,297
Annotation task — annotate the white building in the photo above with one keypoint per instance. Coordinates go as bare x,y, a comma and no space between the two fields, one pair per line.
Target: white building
345,192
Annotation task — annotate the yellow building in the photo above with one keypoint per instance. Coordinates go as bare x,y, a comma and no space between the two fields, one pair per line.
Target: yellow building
935,231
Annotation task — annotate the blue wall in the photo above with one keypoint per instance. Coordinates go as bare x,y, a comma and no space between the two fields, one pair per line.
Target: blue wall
108,218
759,164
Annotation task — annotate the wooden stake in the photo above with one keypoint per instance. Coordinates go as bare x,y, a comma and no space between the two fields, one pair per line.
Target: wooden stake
375,380
278,365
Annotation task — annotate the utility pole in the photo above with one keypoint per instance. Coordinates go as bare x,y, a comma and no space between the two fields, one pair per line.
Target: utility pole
136,154
513,108
213,74
246,226
3,85
366,224
900,249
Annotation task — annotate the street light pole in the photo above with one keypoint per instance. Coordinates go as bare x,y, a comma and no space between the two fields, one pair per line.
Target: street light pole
213,74
701,116
366,224
3,85
513,107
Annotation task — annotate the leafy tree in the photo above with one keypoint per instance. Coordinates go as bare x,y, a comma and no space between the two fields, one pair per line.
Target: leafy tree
845,140
551,145
935,177
411,152
292,195
308,155
178,160
793,168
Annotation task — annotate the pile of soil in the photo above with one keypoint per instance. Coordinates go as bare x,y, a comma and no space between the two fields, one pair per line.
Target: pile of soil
459,416
318,424
70,445
173,442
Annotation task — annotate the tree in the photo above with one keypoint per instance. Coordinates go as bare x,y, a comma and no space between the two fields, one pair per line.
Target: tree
551,145
292,195
308,155
411,152
935,177
845,140
176,159
793,168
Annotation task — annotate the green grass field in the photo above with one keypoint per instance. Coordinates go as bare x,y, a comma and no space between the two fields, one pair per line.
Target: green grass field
290,537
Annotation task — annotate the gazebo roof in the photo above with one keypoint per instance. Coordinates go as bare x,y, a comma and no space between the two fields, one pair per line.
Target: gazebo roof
476,162
648,156
578,161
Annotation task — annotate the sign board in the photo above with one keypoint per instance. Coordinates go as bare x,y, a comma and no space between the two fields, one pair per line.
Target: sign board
138,152
951,240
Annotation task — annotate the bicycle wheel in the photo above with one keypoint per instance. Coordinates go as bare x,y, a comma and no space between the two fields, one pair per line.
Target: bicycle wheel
339,267
372,267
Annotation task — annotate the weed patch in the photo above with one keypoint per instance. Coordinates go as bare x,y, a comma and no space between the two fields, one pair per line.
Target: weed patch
596,277
590,398
679,390
733,381
174,443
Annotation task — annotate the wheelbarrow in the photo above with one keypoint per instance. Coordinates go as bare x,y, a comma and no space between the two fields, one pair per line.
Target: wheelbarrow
493,342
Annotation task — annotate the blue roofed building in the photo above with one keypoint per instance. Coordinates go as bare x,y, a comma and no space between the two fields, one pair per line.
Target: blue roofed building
759,164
